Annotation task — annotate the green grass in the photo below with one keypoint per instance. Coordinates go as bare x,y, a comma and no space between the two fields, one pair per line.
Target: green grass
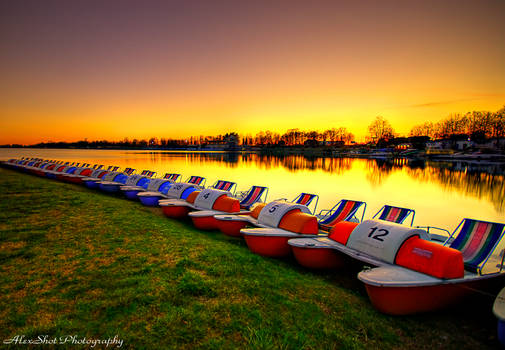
78,262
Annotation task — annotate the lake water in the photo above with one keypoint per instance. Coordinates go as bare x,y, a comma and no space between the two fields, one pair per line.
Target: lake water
442,193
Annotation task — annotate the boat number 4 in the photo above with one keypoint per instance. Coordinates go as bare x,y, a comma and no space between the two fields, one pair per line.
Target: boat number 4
377,234
206,196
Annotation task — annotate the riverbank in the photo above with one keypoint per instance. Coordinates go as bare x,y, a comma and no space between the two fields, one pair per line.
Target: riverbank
78,262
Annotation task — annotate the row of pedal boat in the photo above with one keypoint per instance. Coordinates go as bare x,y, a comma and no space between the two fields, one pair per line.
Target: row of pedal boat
412,269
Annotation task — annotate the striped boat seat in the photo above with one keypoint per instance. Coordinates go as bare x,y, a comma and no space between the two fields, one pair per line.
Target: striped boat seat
196,180
172,177
253,195
129,171
342,211
395,214
305,198
223,185
476,240
148,173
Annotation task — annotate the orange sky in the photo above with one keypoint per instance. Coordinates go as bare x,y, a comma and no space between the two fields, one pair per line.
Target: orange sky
109,70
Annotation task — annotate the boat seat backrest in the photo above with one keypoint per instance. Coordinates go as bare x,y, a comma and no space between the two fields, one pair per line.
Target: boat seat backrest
393,214
197,180
271,215
129,171
171,177
382,239
223,185
219,184
252,196
305,198
476,240
344,210
148,173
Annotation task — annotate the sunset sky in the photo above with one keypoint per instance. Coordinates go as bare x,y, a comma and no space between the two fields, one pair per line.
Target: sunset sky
112,69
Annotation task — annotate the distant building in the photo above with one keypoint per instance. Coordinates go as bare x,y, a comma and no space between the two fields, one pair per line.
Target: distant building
438,144
228,143
461,145
214,146
458,144
492,144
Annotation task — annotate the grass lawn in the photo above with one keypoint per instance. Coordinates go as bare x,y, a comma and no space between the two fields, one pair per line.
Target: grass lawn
78,262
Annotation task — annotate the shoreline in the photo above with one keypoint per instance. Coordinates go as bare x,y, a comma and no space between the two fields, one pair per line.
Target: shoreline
477,158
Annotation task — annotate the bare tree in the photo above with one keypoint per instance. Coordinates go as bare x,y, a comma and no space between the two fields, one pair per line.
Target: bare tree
498,123
479,122
426,129
380,129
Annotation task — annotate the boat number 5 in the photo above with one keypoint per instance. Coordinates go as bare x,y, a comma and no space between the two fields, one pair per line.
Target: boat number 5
377,234
274,208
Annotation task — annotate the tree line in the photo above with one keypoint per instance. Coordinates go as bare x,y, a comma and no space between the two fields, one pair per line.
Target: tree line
478,125
292,137
297,137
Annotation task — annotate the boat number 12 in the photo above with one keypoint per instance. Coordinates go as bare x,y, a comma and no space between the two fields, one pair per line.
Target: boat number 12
376,233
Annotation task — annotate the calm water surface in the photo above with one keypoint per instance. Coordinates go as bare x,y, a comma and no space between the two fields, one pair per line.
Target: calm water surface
441,193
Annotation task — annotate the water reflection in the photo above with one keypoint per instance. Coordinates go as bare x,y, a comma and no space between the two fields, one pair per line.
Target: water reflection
291,163
479,180
483,182
227,159
441,192
378,170
295,163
